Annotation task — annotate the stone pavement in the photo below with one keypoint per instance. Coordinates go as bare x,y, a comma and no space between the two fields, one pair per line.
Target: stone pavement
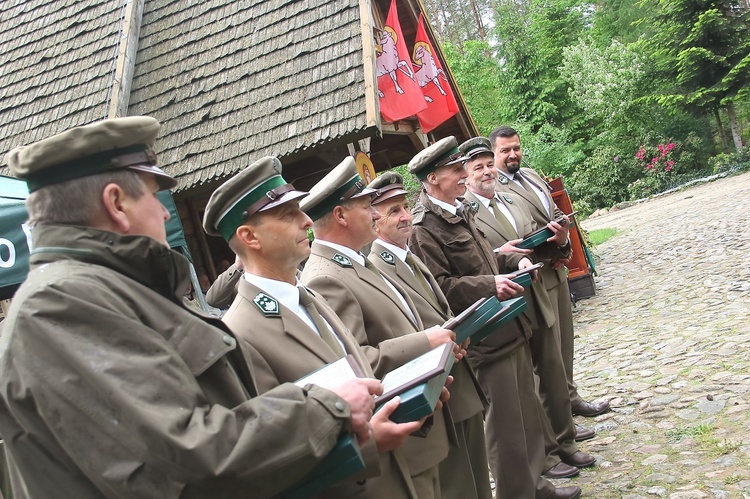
667,339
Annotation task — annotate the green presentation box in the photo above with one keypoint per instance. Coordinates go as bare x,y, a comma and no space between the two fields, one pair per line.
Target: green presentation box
523,280
344,460
536,238
514,307
477,319
420,401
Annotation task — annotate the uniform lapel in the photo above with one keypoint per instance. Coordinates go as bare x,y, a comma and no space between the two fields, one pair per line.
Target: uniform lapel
288,323
442,301
486,218
350,344
529,197
371,278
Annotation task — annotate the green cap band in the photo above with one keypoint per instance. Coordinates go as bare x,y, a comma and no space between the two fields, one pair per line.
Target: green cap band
233,218
334,199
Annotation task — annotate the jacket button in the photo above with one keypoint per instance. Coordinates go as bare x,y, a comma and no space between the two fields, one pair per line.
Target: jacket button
339,406
228,340
361,482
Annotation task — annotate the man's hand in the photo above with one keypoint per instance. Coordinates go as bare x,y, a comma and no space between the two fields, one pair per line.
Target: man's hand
390,435
560,263
526,263
437,336
358,393
560,236
445,394
506,288
510,247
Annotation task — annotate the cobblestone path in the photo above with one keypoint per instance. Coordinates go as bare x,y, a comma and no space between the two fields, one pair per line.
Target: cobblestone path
667,339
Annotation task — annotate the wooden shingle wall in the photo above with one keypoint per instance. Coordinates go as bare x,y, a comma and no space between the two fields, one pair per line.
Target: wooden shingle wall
234,81
57,60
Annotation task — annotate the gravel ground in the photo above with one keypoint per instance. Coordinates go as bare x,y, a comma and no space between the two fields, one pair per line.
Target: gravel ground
666,339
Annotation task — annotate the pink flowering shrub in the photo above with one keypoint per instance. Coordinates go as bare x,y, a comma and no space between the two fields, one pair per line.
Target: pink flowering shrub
663,164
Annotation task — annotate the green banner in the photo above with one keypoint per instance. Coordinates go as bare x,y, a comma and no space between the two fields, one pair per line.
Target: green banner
15,235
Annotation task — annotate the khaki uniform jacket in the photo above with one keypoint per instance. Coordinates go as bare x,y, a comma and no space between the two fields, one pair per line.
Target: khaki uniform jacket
379,323
540,307
284,349
467,398
541,216
459,256
111,387
222,292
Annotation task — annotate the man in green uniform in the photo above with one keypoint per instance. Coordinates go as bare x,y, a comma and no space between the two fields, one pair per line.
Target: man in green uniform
464,473
288,330
110,386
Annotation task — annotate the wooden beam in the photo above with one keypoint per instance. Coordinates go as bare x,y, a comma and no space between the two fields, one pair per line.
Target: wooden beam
372,110
119,97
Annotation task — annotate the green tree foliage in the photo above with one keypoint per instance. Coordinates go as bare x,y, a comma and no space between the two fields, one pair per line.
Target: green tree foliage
478,74
531,37
590,85
703,48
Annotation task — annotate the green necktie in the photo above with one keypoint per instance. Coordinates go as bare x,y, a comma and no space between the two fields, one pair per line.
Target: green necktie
325,332
503,220
421,278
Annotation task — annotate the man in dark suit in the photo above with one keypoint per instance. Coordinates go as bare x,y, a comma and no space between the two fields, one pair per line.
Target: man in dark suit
457,253
464,473
535,192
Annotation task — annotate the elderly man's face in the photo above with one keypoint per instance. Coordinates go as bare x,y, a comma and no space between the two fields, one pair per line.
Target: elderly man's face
508,154
450,181
148,214
394,225
482,175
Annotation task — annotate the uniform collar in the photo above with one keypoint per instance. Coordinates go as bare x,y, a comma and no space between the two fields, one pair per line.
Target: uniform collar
140,258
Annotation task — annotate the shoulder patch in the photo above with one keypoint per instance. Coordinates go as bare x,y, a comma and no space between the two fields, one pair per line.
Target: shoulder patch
267,304
342,260
503,180
507,199
474,206
388,257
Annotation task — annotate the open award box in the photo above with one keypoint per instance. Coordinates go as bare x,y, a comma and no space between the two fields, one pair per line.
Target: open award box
540,236
345,459
484,317
418,383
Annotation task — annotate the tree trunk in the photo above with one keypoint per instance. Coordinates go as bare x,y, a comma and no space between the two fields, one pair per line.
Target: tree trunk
478,20
734,126
720,128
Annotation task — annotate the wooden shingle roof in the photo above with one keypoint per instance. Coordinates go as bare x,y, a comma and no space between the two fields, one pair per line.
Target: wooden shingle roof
58,61
233,81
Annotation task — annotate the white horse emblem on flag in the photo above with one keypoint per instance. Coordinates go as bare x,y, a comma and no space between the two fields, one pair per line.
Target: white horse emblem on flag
388,62
428,70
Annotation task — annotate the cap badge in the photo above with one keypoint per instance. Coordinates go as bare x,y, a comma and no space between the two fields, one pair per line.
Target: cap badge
507,199
388,257
342,260
268,305
503,180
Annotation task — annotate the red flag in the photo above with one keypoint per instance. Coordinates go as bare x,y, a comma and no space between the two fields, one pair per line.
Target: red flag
441,104
400,96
